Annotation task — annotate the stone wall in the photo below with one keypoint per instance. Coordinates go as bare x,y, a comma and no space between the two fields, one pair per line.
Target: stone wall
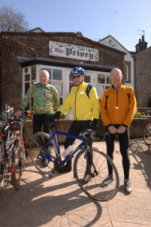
30,44
136,129
143,77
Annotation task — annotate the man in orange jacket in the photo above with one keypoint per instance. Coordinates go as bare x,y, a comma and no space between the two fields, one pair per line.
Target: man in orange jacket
118,107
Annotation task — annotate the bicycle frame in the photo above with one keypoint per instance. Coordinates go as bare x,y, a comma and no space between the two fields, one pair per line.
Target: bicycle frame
54,136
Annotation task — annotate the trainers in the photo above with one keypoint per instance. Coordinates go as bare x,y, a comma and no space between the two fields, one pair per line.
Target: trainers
86,179
127,185
107,180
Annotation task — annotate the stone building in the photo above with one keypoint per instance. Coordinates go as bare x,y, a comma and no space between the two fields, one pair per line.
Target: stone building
143,73
23,55
128,58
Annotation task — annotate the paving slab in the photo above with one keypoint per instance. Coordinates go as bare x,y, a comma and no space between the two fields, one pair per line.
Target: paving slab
59,202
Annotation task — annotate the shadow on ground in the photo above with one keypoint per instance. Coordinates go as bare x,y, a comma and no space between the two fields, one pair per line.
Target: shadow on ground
33,205
142,154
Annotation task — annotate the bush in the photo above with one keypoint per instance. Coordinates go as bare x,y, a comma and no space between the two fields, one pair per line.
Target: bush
140,114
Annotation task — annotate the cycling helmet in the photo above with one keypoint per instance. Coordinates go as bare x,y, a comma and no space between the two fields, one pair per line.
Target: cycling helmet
77,70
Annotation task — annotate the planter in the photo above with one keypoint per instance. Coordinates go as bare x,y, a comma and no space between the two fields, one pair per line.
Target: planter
136,128
62,125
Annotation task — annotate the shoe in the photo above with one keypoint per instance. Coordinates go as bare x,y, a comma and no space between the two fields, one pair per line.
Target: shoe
127,185
65,169
86,179
108,180
45,162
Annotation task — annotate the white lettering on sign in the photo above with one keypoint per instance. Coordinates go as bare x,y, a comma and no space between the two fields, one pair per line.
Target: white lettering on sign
73,51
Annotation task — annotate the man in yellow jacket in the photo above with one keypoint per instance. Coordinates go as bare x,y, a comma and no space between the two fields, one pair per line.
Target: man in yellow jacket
118,107
84,106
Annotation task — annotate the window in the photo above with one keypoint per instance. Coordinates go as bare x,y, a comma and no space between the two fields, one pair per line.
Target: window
57,74
103,82
127,75
101,78
108,79
87,79
57,81
70,82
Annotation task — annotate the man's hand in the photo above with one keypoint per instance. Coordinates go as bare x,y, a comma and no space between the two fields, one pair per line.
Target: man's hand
57,115
112,129
121,129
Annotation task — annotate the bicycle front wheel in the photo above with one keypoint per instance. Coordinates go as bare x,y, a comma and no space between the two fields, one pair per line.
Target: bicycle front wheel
147,134
95,187
41,150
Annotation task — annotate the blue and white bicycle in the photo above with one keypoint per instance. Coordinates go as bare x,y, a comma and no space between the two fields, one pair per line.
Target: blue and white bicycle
46,154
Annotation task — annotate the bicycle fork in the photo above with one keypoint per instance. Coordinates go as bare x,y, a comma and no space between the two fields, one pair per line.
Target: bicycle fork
90,167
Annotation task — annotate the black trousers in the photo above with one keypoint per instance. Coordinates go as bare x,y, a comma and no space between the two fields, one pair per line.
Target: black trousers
75,129
40,123
124,145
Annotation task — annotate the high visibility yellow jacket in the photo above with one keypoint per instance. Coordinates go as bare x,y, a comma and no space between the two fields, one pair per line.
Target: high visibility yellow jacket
82,106
118,106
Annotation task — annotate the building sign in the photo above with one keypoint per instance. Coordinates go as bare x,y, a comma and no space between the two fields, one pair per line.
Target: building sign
73,51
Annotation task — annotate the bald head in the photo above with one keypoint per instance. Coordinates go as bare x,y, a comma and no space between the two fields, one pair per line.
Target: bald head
116,77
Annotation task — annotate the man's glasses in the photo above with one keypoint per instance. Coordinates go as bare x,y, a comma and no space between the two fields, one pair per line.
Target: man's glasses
76,76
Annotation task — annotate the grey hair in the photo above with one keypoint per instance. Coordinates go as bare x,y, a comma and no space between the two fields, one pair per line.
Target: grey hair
43,71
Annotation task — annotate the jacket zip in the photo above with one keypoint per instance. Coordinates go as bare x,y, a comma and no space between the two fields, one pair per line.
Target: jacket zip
117,98
75,102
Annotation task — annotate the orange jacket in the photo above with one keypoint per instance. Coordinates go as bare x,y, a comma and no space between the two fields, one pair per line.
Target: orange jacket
118,106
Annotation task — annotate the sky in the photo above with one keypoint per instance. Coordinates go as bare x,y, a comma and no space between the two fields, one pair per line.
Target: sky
125,20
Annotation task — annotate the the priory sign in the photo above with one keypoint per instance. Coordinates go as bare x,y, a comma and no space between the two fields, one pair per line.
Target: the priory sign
73,51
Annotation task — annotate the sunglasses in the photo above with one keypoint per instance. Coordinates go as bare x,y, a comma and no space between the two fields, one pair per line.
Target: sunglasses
77,76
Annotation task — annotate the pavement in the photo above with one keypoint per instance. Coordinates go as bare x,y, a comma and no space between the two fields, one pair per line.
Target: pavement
59,202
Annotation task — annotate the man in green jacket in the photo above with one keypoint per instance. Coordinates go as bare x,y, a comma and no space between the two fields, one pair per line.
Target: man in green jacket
84,107
45,101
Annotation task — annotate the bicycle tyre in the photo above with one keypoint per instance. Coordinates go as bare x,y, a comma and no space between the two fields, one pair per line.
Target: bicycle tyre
39,153
5,177
147,134
94,188
4,170
17,165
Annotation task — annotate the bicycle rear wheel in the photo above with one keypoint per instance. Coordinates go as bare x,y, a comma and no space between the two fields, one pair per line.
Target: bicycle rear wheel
17,165
95,189
147,134
4,169
41,151
5,176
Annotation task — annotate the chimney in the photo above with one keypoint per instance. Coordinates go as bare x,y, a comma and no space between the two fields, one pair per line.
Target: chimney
142,44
